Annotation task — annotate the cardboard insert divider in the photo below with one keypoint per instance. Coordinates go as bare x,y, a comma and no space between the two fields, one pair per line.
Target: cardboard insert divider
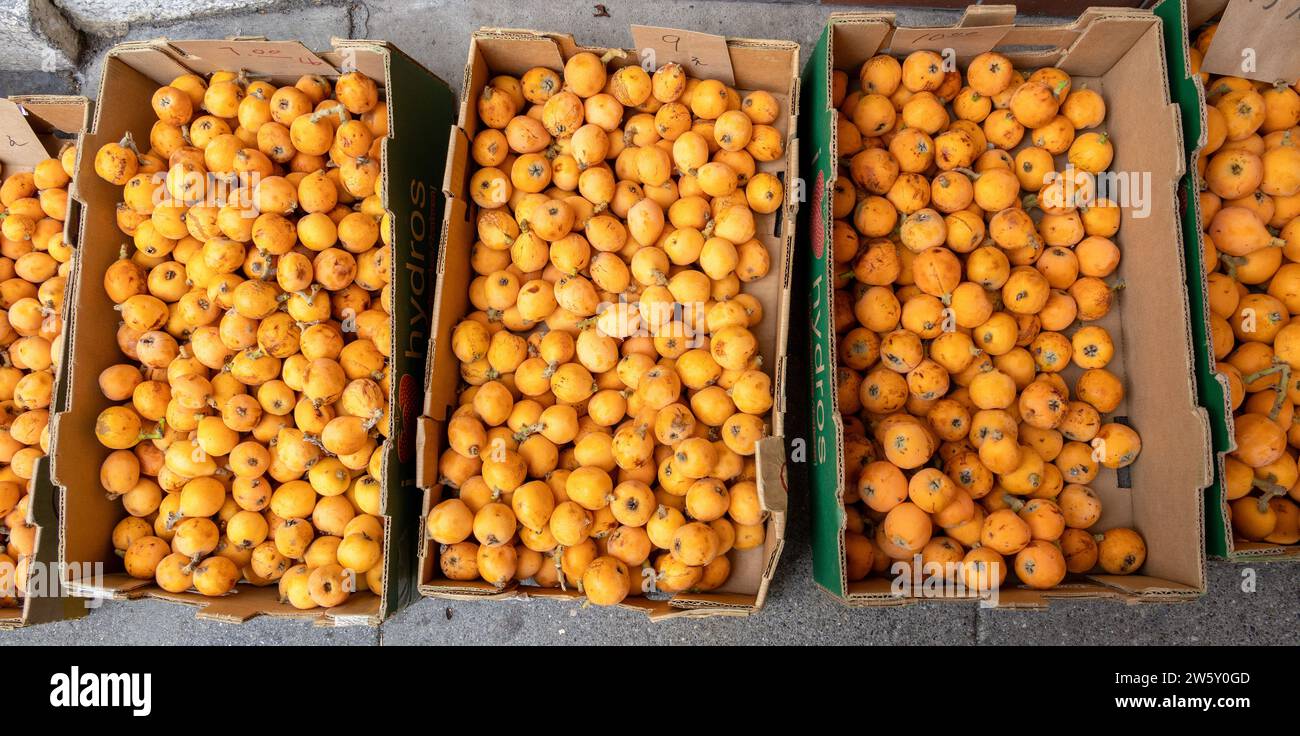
758,65
1118,53
33,128
411,176
1183,19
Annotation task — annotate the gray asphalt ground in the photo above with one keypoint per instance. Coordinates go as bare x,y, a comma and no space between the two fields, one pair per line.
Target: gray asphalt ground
798,612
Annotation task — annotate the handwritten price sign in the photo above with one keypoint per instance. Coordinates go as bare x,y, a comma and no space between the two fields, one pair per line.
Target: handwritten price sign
1256,39
19,145
702,55
283,58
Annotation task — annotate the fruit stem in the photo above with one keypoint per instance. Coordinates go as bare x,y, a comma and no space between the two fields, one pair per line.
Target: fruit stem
1268,490
528,430
1280,398
1232,263
128,142
559,568
1261,373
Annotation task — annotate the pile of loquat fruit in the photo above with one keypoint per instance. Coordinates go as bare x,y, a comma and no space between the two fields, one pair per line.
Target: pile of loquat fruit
1250,212
251,404
34,266
975,259
615,391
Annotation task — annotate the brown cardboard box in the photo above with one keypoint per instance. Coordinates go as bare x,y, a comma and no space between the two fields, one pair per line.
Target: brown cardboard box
1055,8
34,128
766,65
1119,53
410,174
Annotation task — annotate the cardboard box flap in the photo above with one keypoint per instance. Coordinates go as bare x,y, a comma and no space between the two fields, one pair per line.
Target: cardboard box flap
980,28
117,586
62,116
245,603
443,376
1104,40
155,59
472,590
513,51
1145,585
454,178
46,599
983,28
522,50
371,57
862,34
277,59
426,459
1200,12
773,491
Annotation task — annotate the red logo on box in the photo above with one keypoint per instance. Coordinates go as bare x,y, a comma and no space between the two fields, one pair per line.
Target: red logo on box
406,396
818,226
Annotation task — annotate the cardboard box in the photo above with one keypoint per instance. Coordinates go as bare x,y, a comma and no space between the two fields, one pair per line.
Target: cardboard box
1119,53
418,103
766,65
1056,8
35,128
1182,20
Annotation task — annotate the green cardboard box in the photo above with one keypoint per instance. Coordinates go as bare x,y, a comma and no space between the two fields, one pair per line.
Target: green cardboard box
1115,51
411,171
1182,19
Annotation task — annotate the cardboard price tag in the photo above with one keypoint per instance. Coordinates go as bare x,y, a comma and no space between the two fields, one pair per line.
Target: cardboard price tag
1256,39
19,144
703,55
284,58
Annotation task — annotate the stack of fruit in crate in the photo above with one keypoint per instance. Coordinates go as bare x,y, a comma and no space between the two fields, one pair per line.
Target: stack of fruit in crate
250,405
976,261
34,266
1250,211
615,385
